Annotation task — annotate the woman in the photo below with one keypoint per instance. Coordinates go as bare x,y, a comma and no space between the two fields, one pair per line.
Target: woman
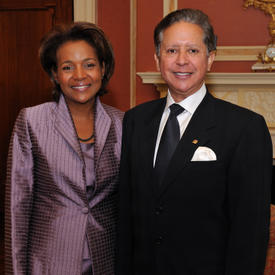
63,163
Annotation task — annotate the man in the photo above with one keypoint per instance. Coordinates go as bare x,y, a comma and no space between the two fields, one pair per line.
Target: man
203,206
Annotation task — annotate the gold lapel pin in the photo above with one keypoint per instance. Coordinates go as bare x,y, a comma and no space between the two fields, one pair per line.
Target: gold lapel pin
195,141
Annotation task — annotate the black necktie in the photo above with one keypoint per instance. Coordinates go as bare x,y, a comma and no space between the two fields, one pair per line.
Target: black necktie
168,143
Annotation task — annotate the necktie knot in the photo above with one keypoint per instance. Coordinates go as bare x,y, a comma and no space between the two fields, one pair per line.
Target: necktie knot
176,109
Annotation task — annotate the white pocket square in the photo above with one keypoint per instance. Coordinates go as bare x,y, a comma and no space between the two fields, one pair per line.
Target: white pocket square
204,154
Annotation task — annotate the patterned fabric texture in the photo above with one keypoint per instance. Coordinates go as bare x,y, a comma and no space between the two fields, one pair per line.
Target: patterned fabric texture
47,211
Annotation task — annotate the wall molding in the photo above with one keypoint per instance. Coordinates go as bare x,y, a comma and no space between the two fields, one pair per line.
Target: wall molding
85,10
169,6
238,53
219,78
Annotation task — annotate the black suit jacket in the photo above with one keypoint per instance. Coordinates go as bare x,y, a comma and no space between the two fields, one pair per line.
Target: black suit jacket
208,217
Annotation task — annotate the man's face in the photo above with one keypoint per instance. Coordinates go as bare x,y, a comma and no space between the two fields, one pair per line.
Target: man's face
183,60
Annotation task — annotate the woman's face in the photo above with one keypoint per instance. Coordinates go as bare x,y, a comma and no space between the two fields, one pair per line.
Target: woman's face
79,72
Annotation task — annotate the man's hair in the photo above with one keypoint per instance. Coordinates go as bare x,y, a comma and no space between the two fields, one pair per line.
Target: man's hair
79,31
190,16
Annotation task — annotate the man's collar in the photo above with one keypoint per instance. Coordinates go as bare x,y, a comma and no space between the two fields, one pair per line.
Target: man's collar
191,102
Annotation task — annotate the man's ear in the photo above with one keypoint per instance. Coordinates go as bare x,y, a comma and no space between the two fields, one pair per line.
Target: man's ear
157,62
211,59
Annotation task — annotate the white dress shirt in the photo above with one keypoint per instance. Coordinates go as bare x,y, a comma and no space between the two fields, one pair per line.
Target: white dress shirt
189,104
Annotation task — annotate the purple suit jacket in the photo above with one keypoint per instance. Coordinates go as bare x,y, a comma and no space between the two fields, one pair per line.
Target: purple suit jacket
47,211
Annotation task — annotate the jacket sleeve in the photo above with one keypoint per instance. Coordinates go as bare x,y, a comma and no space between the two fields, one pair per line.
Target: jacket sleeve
249,191
19,189
124,235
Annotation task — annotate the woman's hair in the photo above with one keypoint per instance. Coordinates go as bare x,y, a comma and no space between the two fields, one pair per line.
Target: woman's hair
79,31
190,16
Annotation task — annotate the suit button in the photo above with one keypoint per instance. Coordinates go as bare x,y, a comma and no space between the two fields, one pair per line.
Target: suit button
159,240
85,210
159,210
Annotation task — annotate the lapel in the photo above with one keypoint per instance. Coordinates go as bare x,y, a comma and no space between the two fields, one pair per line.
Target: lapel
150,132
197,133
64,125
102,128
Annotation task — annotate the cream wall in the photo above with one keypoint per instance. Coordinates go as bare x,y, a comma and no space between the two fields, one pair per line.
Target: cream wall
85,10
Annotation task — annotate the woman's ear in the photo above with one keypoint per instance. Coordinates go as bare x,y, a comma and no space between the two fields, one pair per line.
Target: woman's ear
102,70
54,77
